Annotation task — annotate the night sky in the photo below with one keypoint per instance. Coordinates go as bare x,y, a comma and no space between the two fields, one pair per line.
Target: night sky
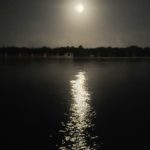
55,23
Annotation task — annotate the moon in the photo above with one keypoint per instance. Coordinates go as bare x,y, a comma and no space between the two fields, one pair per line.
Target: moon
79,8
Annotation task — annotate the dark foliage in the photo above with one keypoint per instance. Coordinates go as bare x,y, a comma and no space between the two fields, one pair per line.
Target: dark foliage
132,51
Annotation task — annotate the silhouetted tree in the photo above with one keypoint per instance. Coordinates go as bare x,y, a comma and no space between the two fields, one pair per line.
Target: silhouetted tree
132,51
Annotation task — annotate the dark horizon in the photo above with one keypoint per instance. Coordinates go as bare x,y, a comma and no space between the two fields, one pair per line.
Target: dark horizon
132,51
72,46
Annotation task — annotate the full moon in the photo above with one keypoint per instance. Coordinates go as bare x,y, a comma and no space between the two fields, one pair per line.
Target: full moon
79,8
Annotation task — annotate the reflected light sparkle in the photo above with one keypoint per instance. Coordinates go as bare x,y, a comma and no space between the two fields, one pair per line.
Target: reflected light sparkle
77,129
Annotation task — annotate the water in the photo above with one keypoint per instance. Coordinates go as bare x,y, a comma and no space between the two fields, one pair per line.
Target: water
75,104
76,134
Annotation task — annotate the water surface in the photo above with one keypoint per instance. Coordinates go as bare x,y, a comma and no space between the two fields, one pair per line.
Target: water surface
75,104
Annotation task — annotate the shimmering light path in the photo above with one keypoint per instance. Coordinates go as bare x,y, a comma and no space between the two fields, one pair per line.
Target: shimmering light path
77,132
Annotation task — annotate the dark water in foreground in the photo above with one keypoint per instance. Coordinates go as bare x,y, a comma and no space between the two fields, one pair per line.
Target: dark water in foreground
75,105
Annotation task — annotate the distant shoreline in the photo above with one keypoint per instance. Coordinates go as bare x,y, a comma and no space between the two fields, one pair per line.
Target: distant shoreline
132,52
69,58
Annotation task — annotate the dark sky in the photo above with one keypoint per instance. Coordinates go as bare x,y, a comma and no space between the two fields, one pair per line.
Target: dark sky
56,23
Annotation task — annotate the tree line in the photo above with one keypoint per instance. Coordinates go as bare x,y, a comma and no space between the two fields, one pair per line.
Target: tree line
132,51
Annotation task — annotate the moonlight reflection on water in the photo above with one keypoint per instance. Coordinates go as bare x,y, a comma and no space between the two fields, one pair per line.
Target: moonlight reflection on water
77,132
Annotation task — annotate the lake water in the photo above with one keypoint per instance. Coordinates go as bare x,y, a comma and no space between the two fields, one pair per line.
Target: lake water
75,104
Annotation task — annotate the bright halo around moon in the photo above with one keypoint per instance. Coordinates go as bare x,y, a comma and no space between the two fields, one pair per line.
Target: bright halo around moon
79,8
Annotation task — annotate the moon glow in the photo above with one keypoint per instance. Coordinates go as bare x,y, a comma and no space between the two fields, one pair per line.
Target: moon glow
79,8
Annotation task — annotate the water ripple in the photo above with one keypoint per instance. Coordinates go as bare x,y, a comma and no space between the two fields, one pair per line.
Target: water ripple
77,132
